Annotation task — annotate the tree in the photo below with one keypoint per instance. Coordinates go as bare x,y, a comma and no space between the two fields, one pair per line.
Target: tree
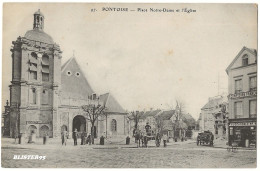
179,112
93,112
135,116
159,123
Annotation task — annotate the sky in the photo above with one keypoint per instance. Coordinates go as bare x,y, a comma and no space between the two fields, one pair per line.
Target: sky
144,59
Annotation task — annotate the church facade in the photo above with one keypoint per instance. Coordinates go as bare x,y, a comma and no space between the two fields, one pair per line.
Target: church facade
47,97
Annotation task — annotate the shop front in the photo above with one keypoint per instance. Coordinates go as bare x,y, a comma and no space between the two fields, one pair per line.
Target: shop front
242,132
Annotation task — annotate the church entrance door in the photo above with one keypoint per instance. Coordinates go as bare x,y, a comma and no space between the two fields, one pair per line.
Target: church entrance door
79,123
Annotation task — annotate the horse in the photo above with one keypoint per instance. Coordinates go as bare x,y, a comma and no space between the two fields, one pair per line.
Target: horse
138,138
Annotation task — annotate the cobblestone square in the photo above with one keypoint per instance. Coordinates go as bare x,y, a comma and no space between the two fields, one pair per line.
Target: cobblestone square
178,155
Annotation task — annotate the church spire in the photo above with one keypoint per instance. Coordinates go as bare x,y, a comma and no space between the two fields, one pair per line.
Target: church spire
38,22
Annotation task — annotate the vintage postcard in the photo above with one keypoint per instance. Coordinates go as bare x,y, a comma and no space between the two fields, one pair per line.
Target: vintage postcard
129,85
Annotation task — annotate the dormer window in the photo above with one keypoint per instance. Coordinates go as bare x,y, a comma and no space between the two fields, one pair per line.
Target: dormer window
245,60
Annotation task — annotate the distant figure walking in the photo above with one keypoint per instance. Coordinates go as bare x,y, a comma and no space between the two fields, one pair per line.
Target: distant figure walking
75,136
89,139
164,139
157,139
64,136
83,138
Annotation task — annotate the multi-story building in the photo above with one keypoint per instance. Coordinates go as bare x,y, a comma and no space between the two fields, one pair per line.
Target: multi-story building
213,116
242,98
46,98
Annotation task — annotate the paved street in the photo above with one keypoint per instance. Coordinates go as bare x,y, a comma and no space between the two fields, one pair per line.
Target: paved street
175,155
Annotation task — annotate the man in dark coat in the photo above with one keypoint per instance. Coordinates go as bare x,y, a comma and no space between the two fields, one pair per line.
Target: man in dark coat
83,138
75,136
147,128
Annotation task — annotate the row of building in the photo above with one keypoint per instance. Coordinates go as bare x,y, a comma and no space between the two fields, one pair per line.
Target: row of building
233,117
171,122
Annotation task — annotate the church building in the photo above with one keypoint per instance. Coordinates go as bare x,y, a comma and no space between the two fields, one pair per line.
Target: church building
47,97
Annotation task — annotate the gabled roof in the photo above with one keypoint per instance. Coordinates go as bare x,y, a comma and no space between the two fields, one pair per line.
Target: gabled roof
65,64
153,112
111,104
166,115
150,113
212,103
253,51
73,85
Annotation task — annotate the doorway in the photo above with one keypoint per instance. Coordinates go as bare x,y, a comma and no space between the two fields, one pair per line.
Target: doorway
79,123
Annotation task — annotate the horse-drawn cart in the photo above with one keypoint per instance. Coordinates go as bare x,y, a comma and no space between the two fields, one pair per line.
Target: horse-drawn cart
205,137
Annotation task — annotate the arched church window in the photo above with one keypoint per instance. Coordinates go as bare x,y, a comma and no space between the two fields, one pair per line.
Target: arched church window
45,59
44,131
113,125
32,129
34,55
45,67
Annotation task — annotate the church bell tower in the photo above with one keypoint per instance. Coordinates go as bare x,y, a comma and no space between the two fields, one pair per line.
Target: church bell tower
36,80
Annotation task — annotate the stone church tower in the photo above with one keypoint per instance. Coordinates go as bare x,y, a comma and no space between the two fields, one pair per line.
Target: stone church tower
36,81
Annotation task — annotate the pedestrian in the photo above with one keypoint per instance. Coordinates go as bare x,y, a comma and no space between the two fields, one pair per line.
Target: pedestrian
64,136
145,139
164,139
83,138
141,138
75,136
158,139
211,139
89,139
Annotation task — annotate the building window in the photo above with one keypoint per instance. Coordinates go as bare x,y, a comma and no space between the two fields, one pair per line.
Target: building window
45,77
238,86
69,73
34,56
245,60
45,59
252,83
252,108
238,110
33,75
77,74
45,97
113,125
33,96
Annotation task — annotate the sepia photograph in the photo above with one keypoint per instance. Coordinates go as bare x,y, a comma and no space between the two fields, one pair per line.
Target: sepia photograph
129,85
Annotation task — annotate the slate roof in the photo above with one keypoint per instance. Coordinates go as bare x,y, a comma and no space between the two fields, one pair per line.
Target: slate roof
153,112
253,51
166,115
111,104
74,86
212,103
150,113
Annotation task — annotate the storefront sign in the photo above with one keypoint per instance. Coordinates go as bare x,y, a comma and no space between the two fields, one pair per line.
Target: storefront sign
242,95
37,122
243,124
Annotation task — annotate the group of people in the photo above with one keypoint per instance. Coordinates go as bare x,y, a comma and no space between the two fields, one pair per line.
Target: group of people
75,135
143,137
